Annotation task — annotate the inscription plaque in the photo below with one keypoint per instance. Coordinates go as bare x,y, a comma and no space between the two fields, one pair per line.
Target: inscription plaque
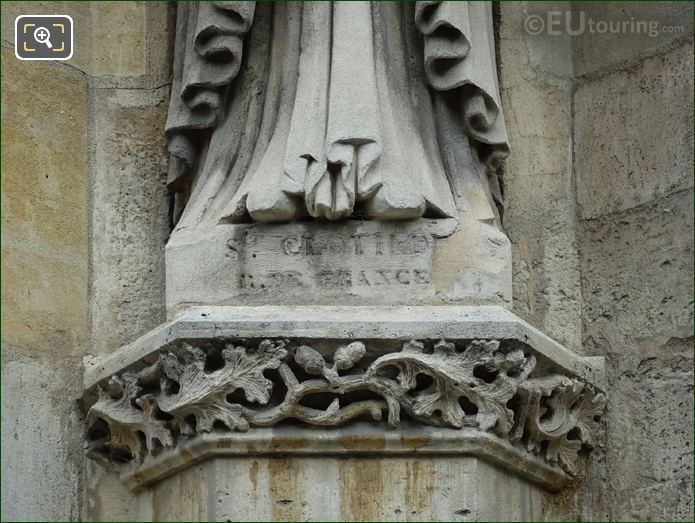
318,259
353,256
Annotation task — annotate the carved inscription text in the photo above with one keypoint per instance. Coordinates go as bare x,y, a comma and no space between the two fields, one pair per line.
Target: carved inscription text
357,244
340,260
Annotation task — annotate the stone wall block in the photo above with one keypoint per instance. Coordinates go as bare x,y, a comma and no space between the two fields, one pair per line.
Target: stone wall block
634,134
631,32
539,208
41,462
130,220
44,199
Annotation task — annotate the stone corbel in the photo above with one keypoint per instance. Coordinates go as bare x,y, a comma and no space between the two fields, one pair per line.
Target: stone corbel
335,380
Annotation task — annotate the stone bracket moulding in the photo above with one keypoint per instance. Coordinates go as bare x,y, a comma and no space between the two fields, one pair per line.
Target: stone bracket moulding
332,380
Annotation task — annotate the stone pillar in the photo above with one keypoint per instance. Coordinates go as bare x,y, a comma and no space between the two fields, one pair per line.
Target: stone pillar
358,488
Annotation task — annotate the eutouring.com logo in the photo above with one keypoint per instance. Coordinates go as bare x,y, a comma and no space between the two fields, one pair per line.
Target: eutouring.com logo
557,23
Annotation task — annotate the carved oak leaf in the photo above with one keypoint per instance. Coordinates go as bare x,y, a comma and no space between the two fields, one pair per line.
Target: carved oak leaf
591,406
442,397
453,377
203,395
564,451
560,418
574,406
125,421
561,414
246,368
529,422
491,400
570,405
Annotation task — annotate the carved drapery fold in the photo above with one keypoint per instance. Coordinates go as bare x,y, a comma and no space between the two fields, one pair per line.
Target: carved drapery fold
209,40
330,116
481,384
459,57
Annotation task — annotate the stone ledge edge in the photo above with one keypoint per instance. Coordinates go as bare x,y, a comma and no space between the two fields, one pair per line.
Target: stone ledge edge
348,322
358,439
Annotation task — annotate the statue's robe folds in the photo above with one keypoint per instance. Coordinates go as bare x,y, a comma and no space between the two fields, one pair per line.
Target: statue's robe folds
327,110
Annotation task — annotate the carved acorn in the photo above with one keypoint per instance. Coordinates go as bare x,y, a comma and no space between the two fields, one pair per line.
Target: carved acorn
347,355
310,360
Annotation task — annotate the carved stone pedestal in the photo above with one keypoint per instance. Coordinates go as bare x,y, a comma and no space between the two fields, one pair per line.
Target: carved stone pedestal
339,162
315,413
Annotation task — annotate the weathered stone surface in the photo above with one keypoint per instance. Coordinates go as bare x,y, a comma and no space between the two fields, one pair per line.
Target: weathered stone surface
125,44
539,207
654,471
302,488
41,445
318,263
634,267
44,286
119,47
80,13
620,252
637,275
47,113
323,322
129,216
620,117
106,498
44,197
131,44
636,264
649,26
332,444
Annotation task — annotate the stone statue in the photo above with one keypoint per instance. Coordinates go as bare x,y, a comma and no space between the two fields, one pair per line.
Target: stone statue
292,111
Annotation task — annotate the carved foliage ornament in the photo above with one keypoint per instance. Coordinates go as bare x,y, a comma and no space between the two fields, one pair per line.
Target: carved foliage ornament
478,385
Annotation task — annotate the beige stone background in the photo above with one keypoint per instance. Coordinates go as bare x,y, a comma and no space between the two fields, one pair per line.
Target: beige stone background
84,223
599,208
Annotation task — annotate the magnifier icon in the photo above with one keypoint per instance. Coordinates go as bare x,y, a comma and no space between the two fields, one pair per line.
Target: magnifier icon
42,36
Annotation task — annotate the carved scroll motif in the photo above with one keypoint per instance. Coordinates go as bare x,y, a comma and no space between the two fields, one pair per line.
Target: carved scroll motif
480,385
